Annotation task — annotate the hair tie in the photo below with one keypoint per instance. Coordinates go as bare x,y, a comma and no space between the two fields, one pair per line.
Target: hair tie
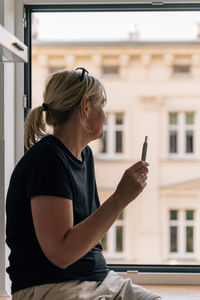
45,107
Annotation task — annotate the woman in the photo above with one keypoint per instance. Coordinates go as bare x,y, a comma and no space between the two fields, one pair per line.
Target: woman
54,220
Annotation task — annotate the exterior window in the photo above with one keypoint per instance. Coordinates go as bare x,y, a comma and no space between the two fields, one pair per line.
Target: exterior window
113,240
112,143
180,69
181,134
173,231
110,70
181,233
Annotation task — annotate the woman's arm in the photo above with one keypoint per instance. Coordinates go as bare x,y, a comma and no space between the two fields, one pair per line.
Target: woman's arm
62,243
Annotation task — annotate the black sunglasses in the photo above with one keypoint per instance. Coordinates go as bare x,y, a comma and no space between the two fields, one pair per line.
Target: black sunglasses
83,72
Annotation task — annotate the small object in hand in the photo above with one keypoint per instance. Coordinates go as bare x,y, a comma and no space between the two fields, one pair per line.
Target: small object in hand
144,150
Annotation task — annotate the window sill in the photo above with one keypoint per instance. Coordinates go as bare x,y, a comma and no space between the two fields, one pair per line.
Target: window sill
154,278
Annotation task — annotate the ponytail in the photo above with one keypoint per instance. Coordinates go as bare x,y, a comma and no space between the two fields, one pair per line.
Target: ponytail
34,128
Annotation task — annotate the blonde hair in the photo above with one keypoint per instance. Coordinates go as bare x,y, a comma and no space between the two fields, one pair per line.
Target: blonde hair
63,93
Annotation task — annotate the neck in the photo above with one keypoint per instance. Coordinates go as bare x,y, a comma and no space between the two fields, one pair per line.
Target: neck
73,136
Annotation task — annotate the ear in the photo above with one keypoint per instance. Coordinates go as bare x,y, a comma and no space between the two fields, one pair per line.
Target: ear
85,107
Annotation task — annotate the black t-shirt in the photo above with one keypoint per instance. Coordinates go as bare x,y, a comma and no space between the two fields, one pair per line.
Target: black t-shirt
49,168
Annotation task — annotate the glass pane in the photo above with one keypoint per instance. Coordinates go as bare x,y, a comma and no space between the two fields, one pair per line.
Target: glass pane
173,214
131,79
104,242
173,239
119,119
189,214
189,141
104,143
119,238
181,69
110,70
189,238
119,146
173,118
189,118
173,141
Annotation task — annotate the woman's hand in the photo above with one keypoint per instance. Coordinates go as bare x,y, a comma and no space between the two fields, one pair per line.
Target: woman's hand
132,183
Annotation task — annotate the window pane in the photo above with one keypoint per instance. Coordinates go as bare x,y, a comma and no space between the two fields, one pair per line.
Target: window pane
119,136
189,141
124,65
119,119
189,118
181,69
173,118
110,70
173,238
173,214
119,238
173,141
189,214
104,242
189,238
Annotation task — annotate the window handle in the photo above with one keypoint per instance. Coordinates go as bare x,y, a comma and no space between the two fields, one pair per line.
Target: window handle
18,46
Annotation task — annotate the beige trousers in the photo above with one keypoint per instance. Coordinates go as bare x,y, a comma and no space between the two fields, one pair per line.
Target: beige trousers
113,287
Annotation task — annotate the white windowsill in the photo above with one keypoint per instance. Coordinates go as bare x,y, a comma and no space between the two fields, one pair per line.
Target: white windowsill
162,278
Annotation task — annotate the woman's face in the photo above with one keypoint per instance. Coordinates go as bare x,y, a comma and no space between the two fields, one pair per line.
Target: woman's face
96,119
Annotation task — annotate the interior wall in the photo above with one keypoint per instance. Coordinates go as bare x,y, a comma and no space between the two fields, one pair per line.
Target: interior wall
10,99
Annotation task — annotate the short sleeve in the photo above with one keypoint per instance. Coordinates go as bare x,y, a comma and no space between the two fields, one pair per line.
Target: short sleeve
47,174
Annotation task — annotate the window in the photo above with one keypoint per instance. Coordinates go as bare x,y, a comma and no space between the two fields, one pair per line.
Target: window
181,134
181,70
109,70
123,96
181,233
113,241
112,144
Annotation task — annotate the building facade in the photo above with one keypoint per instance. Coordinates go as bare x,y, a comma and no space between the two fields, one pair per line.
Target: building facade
153,90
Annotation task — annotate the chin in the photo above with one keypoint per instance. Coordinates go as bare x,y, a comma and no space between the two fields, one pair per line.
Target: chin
101,134
97,136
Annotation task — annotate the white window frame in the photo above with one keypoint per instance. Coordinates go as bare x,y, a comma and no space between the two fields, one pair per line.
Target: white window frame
181,223
111,129
181,127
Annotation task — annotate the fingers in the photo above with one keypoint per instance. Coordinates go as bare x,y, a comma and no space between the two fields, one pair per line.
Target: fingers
140,169
142,178
140,164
